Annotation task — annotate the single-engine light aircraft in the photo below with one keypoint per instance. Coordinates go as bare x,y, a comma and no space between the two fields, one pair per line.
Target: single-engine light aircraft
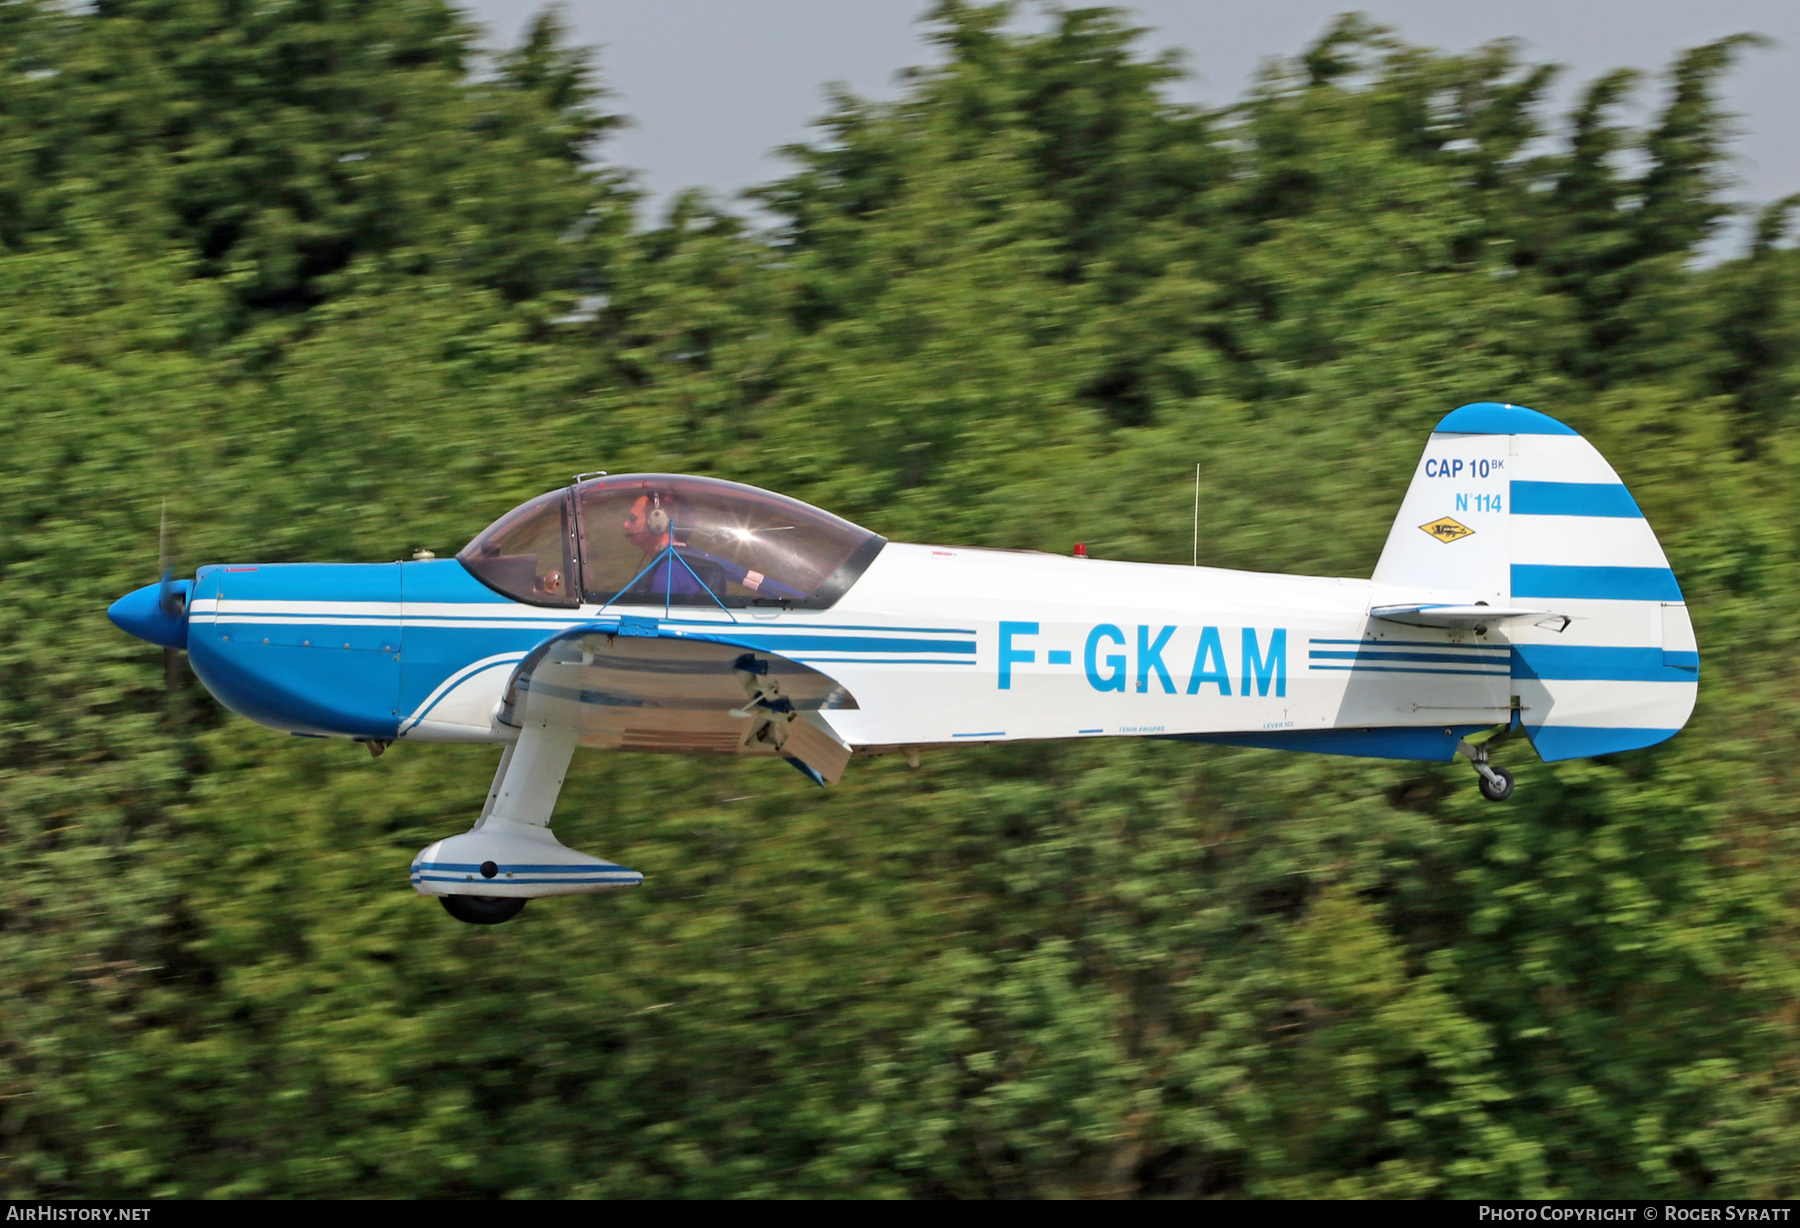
1520,589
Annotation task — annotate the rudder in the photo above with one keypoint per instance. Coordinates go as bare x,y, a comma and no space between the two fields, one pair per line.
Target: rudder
1513,508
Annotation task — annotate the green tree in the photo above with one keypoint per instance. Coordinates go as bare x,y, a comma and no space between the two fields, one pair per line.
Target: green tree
337,289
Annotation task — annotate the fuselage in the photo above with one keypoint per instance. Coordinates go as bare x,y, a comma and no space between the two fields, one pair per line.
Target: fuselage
937,644
1521,588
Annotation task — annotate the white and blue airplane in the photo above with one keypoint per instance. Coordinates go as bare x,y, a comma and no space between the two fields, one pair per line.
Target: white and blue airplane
1520,589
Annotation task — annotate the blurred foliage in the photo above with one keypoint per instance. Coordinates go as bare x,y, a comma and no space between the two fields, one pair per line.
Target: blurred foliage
335,287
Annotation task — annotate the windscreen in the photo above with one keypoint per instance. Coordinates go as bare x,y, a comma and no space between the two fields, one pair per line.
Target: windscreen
655,539
528,553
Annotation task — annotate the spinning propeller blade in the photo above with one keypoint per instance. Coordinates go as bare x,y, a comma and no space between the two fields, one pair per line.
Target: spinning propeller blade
170,600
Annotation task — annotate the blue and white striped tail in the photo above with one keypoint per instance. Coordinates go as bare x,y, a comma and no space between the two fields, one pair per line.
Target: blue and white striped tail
1613,666
1626,670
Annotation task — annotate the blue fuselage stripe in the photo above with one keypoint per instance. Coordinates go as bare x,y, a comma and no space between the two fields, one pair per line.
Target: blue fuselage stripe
788,644
1558,742
1430,742
1434,645
713,622
1586,663
1433,658
806,658
1414,669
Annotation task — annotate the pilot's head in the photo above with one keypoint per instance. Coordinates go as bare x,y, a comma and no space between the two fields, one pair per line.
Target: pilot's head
647,523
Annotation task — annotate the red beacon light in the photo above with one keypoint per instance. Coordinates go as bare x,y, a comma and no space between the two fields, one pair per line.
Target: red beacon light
1080,550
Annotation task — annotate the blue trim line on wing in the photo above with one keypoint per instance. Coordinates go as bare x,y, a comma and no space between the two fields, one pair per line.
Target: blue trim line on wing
992,733
1595,583
1493,418
1574,499
1587,663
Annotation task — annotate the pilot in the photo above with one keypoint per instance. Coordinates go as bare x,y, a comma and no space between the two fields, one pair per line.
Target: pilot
647,523
650,526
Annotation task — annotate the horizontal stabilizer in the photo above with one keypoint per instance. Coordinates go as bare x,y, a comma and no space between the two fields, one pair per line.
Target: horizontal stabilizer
1430,615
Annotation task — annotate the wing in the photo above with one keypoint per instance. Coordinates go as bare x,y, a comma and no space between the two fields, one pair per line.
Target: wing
633,685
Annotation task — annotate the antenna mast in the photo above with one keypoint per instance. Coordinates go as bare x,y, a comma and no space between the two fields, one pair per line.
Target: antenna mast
1196,515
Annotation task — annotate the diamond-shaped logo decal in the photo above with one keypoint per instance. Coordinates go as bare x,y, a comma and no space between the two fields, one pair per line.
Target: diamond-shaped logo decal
1447,530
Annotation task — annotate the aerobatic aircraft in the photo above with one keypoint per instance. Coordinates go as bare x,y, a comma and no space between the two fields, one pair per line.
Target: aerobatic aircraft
1520,589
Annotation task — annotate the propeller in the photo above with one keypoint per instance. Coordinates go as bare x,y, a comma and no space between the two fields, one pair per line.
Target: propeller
170,600
157,613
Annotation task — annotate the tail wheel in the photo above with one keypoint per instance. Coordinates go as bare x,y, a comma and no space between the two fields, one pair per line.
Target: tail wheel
482,909
1497,789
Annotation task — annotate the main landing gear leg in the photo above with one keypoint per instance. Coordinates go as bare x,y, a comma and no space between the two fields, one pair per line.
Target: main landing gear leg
1495,783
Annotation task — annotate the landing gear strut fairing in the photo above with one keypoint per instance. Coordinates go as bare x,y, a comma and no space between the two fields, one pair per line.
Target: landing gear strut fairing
1520,591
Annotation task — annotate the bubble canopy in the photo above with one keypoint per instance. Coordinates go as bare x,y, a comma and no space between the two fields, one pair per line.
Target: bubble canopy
666,539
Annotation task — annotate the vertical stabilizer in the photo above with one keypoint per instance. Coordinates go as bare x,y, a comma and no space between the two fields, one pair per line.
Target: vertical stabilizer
1513,508
1453,534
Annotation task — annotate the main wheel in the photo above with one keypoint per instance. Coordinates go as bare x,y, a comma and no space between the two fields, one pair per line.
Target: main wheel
482,909
1494,790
